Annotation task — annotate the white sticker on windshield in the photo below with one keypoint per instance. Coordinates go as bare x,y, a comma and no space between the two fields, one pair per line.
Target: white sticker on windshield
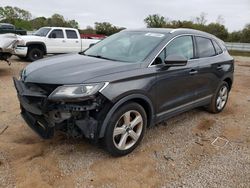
154,34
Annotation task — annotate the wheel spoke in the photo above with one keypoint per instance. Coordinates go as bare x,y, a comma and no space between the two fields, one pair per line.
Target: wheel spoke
224,91
224,98
133,135
119,130
218,101
123,140
221,104
126,118
136,121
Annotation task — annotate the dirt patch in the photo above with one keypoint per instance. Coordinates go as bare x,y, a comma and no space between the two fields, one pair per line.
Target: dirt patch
206,124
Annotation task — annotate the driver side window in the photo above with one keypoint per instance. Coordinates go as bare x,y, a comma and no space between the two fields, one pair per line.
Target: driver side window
181,46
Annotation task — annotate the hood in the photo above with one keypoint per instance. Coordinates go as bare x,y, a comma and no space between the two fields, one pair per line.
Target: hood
28,38
72,69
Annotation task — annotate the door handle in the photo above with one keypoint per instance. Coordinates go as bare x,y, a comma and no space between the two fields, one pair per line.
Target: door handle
193,72
63,41
77,41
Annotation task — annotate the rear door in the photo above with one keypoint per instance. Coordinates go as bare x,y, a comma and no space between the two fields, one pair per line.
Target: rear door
176,86
55,43
73,41
209,66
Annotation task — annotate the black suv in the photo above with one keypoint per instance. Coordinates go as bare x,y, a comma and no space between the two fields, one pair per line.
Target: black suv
124,84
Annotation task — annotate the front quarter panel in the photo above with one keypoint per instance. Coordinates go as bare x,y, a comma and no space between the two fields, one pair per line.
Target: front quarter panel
140,81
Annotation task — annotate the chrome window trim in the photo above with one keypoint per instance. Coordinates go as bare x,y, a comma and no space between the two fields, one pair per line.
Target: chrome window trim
150,65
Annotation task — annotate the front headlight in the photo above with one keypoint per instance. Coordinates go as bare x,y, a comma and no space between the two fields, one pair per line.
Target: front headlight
76,91
20,42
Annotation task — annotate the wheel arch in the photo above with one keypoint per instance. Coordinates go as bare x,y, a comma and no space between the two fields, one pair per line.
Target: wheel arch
229,82
40,46
143,100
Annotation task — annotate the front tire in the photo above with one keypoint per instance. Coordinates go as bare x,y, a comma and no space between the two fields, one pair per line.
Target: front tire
219,99
35,54
125,129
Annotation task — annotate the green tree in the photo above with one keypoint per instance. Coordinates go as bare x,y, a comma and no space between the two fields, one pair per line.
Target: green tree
88,30
73,23
38,22
23,24
245,36
155,20
11,14
106,28
234,36
218,30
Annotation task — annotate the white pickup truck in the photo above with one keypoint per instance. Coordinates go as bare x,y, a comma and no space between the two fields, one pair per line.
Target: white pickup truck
51,40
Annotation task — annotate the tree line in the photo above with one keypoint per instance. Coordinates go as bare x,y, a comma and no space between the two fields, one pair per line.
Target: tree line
23,19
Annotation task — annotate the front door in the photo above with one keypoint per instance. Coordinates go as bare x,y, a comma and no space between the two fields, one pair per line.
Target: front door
56,42
176,85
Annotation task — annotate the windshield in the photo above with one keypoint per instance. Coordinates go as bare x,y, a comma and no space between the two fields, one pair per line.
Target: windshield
126,46
42,32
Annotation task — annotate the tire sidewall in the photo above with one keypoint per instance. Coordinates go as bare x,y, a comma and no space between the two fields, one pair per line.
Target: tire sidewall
31,53
108,138
214,101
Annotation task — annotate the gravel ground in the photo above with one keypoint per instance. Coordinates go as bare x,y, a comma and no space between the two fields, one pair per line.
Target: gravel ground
176,153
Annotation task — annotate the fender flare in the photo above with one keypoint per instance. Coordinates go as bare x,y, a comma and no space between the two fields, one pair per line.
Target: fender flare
38,43
121,102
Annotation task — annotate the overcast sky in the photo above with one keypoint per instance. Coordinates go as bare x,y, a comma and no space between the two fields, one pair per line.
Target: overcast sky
130,13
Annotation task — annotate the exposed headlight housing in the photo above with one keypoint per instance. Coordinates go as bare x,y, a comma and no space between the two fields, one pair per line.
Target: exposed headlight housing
76,92
20,42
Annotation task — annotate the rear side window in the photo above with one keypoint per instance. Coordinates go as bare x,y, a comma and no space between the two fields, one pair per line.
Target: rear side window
71,34
217,48
58,33
205,47
181,46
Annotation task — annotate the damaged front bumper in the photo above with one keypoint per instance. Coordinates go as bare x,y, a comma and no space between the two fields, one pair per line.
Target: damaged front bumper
45,116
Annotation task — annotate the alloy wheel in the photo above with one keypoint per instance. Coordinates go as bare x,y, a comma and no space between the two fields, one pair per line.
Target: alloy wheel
127,130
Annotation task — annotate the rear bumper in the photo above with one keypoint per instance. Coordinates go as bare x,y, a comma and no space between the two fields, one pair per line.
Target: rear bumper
21,51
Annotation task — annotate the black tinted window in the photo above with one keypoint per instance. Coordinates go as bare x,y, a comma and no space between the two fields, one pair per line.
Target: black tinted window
217,48
181,46
58,33
71,34
7,26
205,47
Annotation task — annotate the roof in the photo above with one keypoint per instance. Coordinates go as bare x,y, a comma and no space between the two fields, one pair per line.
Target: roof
60,27
175,31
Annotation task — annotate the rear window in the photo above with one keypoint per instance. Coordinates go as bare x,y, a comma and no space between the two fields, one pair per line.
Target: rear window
205,47
71,34
217,48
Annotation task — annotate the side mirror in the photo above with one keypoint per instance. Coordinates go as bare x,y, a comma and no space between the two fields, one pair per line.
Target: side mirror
52,35
175,60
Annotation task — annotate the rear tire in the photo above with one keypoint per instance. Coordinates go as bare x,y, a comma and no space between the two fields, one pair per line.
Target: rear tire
35,54
219,100
125,129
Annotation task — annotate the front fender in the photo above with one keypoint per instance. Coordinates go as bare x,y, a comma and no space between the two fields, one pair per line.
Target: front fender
121,102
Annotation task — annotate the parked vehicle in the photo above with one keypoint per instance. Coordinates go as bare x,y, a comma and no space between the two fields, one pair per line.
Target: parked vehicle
7,46
9,28
124,84
51,40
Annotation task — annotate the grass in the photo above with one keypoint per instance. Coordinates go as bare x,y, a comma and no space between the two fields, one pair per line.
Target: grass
239,53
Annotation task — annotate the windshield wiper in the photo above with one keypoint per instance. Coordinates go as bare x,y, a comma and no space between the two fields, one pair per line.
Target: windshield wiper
99,56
